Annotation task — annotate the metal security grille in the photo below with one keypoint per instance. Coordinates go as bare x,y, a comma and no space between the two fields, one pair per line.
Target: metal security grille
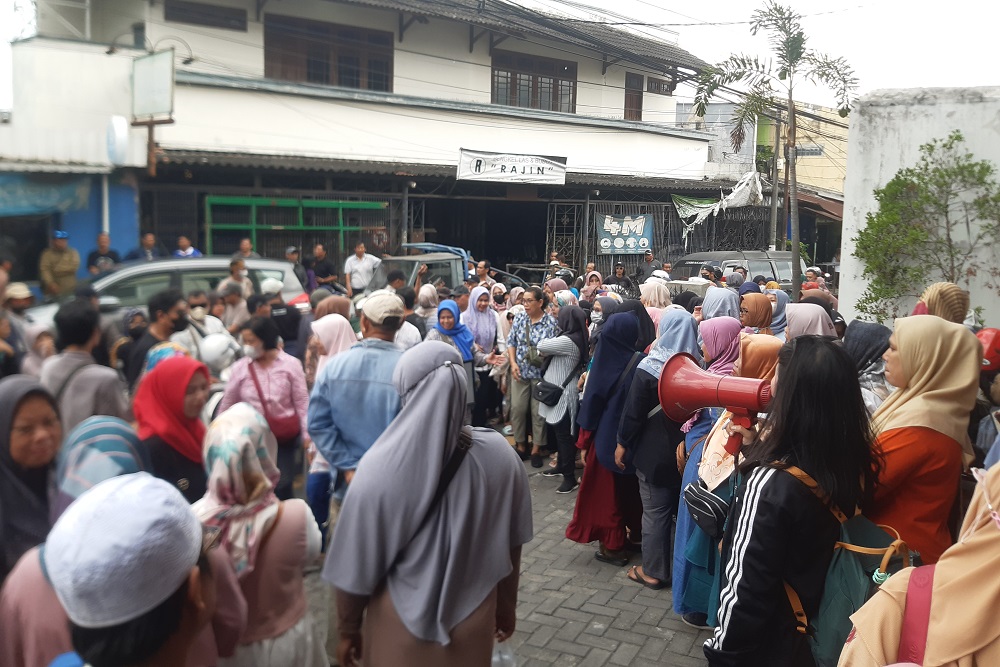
744,228
565,232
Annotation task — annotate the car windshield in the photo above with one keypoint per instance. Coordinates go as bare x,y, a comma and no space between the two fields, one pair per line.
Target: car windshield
438,274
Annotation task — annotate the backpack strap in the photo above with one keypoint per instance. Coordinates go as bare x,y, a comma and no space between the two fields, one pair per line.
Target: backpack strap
916,615
812,485
801,620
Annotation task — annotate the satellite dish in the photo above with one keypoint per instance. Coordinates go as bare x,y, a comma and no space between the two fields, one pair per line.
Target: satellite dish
118,132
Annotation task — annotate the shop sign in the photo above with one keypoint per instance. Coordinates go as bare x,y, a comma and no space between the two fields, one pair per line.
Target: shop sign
511,168
624,234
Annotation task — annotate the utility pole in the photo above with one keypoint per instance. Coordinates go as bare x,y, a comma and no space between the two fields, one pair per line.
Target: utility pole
784,201
773,240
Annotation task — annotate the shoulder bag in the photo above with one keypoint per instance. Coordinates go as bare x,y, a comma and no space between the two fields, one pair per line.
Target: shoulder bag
285,429
549,393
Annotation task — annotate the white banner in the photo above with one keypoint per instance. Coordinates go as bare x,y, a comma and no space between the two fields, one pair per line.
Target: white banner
510,168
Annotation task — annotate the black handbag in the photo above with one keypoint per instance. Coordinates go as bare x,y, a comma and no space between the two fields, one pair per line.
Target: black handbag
548,393
708,510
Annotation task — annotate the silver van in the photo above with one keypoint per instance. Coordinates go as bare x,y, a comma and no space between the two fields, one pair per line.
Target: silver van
774,265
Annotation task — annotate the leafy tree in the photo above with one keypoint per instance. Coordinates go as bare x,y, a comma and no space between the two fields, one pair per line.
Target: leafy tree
939,220
792,62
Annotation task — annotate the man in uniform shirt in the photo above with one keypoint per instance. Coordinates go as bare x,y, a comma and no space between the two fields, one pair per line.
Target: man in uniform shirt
359,269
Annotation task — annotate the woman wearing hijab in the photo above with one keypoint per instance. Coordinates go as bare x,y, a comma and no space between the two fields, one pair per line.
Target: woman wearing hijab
758,359
684,300
516,295
331,335
779,533
592,283
866,342
268,541
31,434
601,311
734,281
750,288
554,285
406,593
34,629
655,295
481,320
922,429
964,592
167,409
647,330
756,314
647,438
807,319
498,300
720,302
566,356
273,382
720,344
427,305
608,503
561,299
41,345
450,329
945,300
779,320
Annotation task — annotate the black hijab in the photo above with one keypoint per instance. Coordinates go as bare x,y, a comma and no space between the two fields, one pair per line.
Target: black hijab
609,307
684,300
866,342
572,323
24,493
647,330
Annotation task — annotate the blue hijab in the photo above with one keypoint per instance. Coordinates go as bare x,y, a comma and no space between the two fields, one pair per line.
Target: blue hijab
750,287
778,321
460,334
678,333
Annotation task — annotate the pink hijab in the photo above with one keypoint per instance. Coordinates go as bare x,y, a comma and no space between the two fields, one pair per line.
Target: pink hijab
336,335
721,337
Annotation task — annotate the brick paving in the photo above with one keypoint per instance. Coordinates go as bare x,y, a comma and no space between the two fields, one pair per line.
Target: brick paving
572,609
575,610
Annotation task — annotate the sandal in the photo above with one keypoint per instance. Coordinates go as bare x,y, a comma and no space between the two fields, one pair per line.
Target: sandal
634,575
616,558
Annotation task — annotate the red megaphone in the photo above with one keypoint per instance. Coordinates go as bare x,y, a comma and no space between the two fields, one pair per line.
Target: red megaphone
685,388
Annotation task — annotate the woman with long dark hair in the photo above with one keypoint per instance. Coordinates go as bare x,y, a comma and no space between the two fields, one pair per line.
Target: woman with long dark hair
778,529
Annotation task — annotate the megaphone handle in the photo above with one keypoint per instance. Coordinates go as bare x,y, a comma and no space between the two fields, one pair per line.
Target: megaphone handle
735,441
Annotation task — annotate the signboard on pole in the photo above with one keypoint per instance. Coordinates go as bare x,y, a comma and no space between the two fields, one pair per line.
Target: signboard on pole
510,168
153,85
624,234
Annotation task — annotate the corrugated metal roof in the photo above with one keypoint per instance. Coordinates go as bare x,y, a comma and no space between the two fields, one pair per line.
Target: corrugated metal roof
31,167
514,20
295,162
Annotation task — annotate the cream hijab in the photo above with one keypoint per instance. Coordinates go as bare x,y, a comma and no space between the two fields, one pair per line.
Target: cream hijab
336,335
942,361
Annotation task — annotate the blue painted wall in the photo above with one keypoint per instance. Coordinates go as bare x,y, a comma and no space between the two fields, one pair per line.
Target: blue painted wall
84,225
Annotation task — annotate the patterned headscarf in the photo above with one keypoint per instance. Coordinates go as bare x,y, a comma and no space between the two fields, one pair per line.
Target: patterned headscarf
240,500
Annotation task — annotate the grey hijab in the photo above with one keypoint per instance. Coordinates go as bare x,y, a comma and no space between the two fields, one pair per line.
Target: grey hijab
720,302
24,494
449,568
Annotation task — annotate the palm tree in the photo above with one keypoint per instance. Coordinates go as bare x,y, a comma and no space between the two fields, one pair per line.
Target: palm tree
764,79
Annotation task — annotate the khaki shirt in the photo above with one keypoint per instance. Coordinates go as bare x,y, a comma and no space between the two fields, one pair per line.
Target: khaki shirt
59,267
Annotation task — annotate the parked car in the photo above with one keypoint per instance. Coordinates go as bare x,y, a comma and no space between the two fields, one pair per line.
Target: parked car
774,265
132,285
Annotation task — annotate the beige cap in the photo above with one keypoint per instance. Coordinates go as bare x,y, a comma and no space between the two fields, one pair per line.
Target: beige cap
17,291
381,305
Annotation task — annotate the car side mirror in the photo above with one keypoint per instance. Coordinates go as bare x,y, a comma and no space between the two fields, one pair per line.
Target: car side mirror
109,304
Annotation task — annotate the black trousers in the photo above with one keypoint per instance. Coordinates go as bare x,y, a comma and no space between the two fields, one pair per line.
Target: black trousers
566,446
290,465
486,398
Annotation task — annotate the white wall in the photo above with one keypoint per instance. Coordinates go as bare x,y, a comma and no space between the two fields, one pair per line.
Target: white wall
218,119
64,95
887,130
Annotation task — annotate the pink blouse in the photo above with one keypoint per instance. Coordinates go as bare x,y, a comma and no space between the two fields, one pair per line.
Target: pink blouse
283,384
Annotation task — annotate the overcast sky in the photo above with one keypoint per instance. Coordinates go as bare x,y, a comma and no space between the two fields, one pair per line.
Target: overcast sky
890,43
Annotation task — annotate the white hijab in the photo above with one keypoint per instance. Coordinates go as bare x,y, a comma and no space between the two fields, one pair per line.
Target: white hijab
448,568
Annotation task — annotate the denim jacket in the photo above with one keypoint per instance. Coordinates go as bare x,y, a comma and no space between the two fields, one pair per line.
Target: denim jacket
353,401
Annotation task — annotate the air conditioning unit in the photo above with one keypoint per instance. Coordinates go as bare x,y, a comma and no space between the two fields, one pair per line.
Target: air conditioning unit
5,116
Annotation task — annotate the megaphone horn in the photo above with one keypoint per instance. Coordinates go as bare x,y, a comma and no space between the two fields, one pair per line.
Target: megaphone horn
685,388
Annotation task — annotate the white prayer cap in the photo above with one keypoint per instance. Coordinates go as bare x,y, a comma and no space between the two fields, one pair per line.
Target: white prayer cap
121,550
381,305
271,286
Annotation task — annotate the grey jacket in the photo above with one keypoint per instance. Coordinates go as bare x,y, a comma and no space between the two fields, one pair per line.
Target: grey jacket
95,390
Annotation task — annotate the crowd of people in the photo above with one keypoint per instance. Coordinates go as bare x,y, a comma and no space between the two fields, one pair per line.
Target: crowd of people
165,490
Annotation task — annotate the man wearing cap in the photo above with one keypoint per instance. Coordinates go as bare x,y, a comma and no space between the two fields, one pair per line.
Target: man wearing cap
292,255
128,566
359,269
354,399
647,265
58,265
461,296
617,275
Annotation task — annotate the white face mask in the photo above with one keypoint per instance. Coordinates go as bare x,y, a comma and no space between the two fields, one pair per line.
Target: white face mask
198,313
596,316
774,306
251,352
244,273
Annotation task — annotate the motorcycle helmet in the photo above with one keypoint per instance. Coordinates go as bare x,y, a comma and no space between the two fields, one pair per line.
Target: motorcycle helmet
990,338
218,352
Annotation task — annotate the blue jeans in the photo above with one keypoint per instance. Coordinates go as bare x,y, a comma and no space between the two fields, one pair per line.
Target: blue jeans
318,497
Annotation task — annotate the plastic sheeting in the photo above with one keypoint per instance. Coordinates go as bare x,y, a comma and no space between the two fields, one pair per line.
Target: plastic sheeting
746,192
23,194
